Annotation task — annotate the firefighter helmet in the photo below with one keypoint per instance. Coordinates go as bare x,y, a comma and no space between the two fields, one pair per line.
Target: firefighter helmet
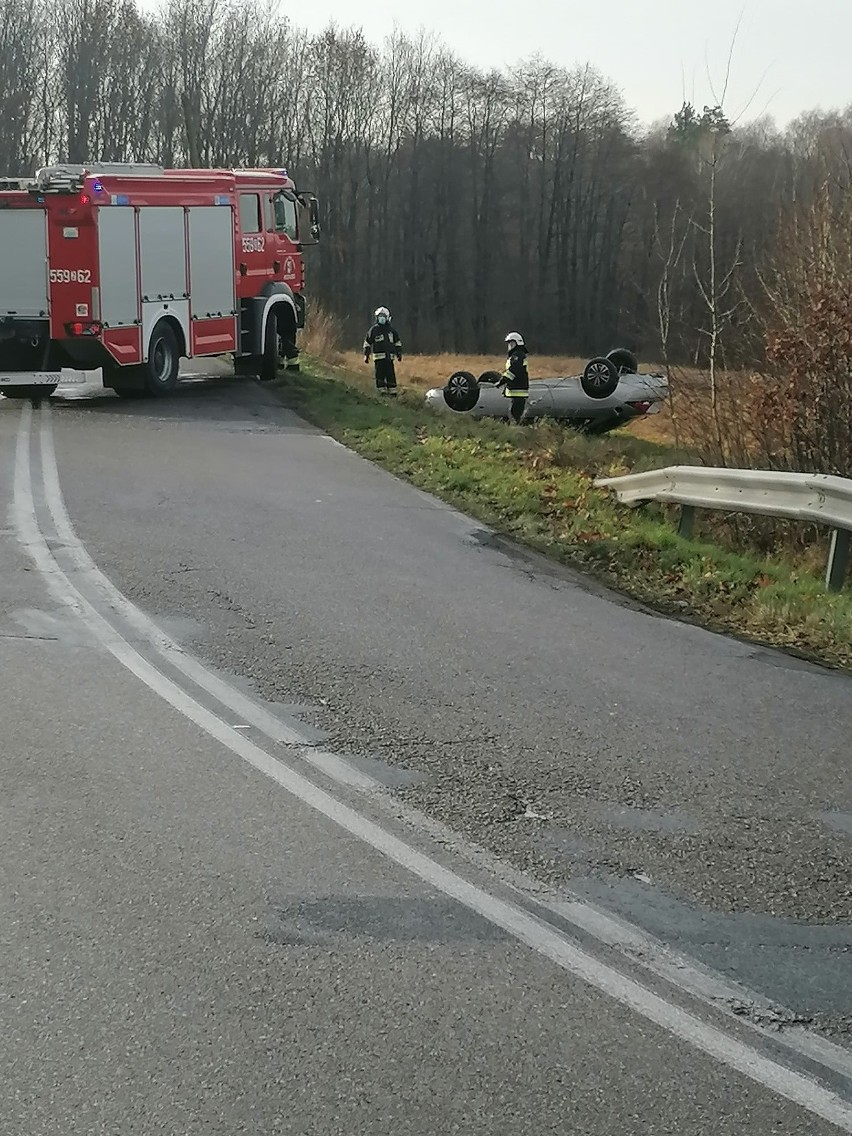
515,339
382,314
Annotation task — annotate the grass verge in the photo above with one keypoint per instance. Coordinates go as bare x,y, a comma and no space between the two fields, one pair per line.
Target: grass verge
535,486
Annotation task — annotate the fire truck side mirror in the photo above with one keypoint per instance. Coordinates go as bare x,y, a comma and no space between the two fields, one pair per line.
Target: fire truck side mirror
309,219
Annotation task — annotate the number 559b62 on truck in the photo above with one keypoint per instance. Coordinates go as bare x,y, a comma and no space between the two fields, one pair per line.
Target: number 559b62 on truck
129,268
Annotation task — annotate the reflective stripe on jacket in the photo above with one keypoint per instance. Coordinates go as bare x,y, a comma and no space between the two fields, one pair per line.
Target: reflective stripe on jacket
382,341
516,376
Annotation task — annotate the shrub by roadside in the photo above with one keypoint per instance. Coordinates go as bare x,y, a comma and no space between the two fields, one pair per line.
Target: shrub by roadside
535,485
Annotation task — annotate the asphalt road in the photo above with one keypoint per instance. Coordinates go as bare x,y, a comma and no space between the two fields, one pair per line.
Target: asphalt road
189,947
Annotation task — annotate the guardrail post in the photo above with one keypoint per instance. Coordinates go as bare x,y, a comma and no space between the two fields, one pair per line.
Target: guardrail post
838,560
687,521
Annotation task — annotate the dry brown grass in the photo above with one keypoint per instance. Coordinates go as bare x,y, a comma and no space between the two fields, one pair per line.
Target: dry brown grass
732,434
323,336
424,371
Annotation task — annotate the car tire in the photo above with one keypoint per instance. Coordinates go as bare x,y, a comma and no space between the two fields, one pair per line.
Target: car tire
625,361
461,392
491,377
600,378
160,371
37,391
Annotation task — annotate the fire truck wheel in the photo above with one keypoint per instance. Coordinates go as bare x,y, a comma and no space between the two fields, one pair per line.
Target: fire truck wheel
269,359
36,392
161,370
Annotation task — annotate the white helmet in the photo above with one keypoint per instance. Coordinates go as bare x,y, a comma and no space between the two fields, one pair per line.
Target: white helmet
515,339
382,312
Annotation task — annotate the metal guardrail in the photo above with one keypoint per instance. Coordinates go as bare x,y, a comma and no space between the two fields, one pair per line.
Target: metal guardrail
812,498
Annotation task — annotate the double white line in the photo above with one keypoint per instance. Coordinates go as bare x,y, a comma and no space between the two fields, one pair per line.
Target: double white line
108,607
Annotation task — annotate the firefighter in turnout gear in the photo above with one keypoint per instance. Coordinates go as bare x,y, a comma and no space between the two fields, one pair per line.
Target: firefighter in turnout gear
384,345
516,378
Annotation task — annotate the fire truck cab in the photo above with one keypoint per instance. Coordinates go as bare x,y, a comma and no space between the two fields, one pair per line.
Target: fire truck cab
128,268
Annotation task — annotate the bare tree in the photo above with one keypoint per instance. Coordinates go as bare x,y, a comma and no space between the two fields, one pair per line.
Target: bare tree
467,200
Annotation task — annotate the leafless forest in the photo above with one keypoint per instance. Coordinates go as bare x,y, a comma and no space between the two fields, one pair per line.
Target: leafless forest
467,201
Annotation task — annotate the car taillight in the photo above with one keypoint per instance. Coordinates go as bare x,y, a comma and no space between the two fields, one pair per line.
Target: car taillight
78,328
640,407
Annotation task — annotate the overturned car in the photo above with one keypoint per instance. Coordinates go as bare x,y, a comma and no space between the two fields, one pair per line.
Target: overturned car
609,393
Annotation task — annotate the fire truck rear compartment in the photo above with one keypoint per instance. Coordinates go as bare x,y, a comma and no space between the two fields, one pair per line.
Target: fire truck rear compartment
24,323
25,344
23,264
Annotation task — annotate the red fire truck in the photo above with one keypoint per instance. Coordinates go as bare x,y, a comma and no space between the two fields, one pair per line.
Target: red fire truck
129,268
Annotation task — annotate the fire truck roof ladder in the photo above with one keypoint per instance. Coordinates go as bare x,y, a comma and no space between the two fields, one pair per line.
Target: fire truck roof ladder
69,178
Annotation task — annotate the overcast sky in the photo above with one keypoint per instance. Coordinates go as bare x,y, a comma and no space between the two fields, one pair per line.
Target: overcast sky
657,51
